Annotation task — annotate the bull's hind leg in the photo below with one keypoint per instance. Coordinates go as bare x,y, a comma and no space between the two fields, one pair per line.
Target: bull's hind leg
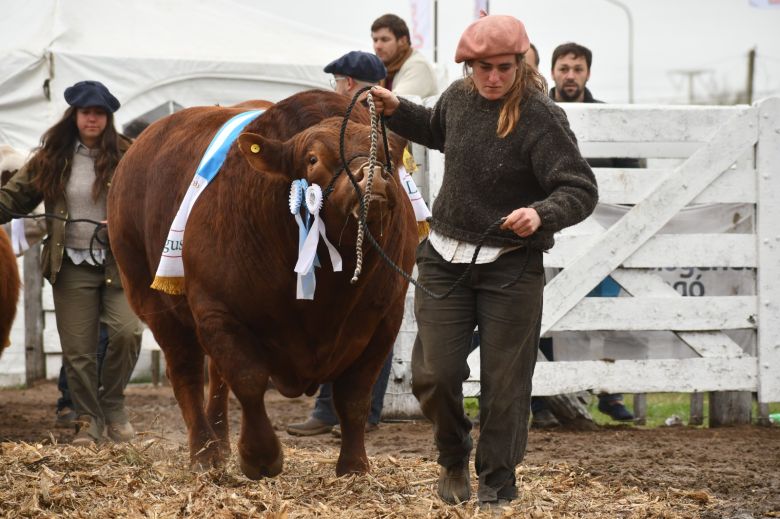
235,352
217,407
185,361
183,357
352,396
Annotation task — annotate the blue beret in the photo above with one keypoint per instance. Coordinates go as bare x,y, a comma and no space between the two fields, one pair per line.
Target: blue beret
91,93
359,65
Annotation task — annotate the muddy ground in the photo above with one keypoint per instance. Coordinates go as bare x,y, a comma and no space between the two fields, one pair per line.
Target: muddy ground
738,467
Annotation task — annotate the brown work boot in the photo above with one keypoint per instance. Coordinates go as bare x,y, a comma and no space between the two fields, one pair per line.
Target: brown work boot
120,432
83,438
311,427
454,487
66,418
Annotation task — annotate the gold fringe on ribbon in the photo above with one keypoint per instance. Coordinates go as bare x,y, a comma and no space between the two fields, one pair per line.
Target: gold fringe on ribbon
422,230
409,163
169,285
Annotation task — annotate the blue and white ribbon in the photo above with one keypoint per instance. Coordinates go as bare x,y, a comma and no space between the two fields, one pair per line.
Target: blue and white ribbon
306,283
170,273
307,251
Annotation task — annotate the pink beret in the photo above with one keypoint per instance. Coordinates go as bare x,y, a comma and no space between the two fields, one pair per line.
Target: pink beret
492,35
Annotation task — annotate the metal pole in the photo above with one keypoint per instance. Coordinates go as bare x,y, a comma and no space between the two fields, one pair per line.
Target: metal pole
435,31
751,73
630,48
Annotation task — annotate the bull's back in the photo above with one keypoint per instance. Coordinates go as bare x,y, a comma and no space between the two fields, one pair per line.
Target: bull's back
9,288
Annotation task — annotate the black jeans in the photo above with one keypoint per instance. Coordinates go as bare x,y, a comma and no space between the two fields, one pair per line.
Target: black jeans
509,320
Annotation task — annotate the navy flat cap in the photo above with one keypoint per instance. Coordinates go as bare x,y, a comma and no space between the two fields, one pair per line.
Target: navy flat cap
91,93
362,66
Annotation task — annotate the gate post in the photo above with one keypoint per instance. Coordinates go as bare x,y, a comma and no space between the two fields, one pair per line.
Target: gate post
34,358
768,276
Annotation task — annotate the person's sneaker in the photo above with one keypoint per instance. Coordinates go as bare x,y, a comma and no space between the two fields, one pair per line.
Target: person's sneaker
615,410
120,432
454,484
370,427
311,427
544,419
65,418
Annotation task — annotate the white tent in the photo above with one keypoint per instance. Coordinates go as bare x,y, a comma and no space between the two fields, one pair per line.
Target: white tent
149,53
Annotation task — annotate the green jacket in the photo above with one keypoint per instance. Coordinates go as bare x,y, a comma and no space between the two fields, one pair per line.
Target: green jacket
20,196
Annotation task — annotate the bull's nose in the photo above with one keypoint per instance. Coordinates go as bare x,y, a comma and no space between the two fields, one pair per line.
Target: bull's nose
378,184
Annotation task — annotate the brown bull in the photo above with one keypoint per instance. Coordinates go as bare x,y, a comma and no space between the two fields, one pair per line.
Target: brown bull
9,289
10,161
240,305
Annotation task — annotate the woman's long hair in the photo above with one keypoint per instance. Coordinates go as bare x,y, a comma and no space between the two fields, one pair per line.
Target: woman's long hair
51,162
527,79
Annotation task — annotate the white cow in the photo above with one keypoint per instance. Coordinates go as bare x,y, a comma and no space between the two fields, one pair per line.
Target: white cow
27,232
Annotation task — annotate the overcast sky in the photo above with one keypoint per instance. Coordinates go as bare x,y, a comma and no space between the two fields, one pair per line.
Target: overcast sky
671,38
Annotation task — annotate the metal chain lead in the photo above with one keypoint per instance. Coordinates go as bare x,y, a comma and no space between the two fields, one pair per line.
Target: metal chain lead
367,194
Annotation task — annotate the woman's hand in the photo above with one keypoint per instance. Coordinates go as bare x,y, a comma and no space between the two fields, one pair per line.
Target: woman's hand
384,100
523,222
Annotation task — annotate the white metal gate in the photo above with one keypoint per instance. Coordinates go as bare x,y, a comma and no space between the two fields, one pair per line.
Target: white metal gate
705,155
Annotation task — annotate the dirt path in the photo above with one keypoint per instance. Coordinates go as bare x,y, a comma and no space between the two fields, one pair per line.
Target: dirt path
738,466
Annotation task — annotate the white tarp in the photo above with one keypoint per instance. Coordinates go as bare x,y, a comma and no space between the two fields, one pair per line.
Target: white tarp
148,52
194,53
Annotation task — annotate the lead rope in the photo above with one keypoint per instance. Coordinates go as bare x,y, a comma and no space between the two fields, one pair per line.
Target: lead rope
367,195
95,237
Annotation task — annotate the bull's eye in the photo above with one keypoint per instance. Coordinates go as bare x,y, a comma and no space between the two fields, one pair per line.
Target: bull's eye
312,160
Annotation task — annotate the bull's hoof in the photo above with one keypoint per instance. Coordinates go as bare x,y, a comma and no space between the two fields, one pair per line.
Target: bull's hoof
255,472
211,456
345,468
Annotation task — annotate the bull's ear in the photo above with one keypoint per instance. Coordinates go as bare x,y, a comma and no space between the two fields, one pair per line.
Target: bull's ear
264,155
397,146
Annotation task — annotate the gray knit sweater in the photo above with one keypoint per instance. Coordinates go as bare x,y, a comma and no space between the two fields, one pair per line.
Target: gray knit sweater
538,165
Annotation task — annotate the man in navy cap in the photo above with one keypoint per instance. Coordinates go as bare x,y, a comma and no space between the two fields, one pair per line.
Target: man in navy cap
351,72
355,70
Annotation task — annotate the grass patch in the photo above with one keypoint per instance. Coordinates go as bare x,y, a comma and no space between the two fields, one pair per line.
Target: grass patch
663,406
660,407
471,406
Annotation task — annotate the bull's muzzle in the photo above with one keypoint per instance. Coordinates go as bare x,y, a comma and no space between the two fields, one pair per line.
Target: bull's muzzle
379,185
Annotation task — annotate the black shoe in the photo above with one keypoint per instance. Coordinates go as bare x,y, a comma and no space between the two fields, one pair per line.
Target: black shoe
544,419
454,486
616,410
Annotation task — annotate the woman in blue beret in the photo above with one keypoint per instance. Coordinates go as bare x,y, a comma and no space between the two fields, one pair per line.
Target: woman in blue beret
71,172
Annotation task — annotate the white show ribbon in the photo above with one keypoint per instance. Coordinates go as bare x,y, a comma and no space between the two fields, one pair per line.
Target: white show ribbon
308,253
169,277
421,211
18,237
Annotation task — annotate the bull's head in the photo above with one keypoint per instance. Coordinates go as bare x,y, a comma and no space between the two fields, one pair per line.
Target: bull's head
313,154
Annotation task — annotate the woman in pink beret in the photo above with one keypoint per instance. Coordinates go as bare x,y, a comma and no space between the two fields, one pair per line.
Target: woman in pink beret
509,153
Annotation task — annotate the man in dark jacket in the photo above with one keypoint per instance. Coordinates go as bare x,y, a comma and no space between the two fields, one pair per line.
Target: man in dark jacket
570,72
